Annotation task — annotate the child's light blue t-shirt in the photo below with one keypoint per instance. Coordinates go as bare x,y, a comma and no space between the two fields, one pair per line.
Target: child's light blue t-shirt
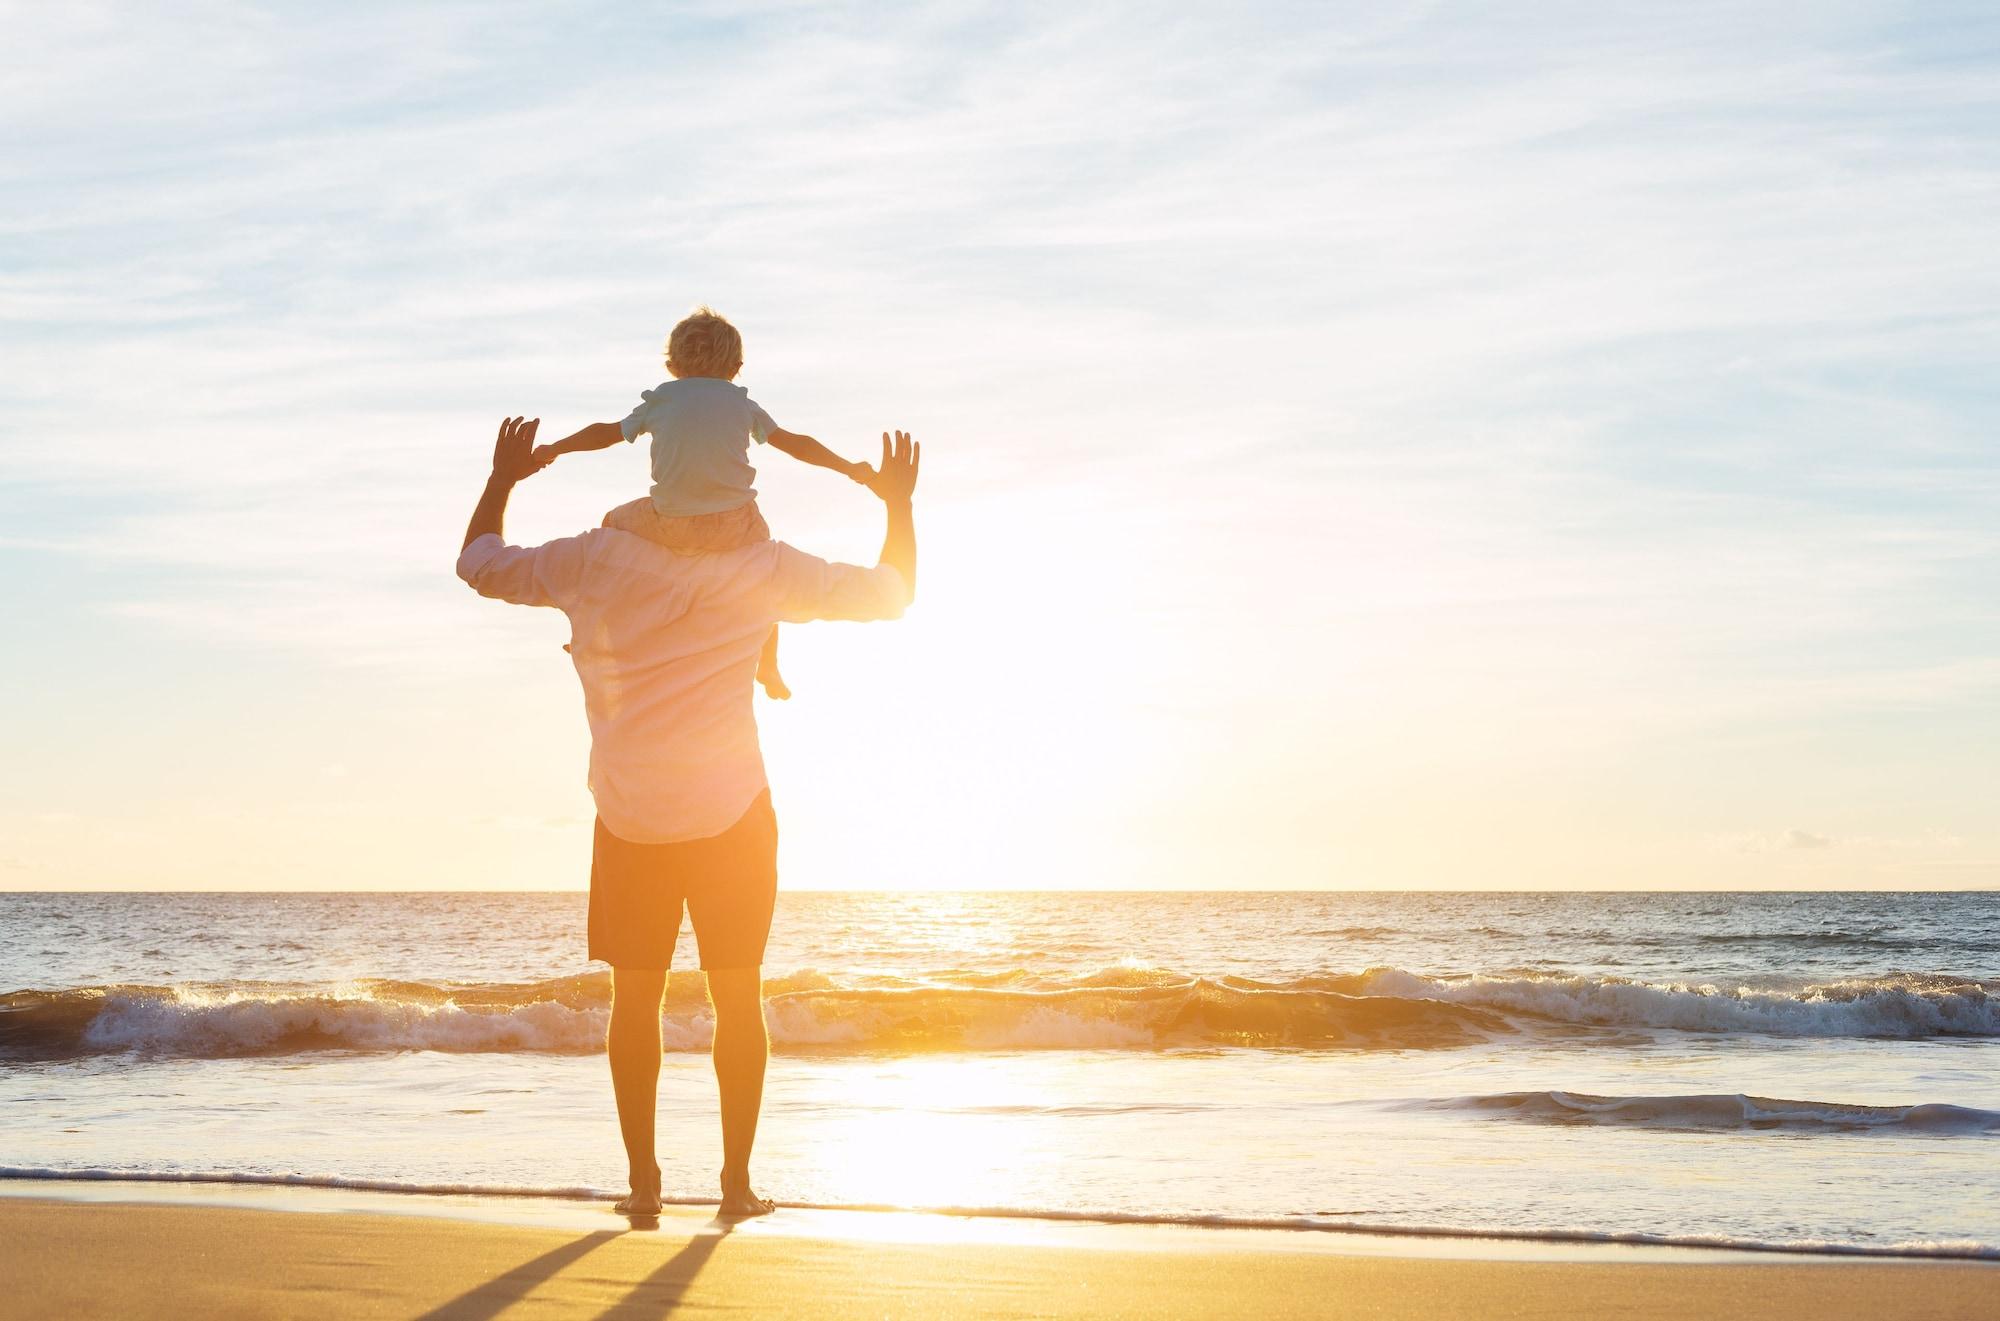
701,429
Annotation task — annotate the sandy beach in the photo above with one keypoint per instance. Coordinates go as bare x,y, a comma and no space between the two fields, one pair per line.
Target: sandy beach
120,1250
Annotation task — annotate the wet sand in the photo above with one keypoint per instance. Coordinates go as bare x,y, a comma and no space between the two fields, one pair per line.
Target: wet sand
459,1258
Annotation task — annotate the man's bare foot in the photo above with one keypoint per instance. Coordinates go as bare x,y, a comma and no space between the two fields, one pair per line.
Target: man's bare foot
738,1202
643,1200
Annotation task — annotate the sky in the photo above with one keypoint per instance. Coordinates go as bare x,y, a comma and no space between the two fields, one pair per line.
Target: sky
1450,446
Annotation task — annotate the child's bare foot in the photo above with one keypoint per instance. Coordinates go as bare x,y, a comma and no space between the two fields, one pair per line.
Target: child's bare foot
767,668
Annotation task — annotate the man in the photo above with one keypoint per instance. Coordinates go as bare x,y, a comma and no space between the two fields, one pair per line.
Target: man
666,645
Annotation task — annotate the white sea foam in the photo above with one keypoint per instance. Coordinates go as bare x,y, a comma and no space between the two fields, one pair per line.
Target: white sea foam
1895,1006
1123,1008
1044,1028
192,1023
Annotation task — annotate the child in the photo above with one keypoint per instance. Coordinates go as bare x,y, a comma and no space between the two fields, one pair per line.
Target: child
702,425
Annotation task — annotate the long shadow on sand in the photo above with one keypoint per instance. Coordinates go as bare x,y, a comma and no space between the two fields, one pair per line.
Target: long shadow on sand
503,1291
658,1295
661,1292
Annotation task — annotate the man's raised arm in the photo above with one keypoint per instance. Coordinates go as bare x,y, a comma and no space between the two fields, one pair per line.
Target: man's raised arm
547,574
895,482
810,588
513,459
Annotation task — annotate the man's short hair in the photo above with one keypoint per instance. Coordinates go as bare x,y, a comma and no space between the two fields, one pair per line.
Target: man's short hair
705,344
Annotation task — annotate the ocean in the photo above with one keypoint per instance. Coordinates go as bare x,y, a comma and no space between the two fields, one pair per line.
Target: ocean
1816,1071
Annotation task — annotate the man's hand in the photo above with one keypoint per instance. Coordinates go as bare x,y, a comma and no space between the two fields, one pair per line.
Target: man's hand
893,483
894,480
514,450
513,459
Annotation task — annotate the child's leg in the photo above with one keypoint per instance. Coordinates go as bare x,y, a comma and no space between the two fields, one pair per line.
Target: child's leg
767,668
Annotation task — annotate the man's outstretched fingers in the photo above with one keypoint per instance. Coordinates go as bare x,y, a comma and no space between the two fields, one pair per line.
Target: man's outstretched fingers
512,449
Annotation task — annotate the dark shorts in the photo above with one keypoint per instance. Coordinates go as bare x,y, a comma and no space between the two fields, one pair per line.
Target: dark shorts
728,883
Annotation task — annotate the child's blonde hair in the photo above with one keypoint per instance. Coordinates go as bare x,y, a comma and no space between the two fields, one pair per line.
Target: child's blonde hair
705,344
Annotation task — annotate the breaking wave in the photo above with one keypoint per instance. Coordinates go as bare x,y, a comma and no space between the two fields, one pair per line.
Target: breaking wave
1121,1008
1899,1005
1722,1112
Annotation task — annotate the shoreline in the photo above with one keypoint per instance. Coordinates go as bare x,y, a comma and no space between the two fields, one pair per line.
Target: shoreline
590,1208
100,1248
540,1206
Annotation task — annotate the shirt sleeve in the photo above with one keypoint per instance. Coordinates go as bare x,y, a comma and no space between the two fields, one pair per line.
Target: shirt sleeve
550,574
635,421
810,588
761,425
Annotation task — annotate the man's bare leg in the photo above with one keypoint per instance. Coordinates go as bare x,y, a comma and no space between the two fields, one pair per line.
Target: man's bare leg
741,1049
634,1046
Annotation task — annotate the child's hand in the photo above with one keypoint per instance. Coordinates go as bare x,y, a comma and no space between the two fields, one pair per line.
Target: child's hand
544,455
861,472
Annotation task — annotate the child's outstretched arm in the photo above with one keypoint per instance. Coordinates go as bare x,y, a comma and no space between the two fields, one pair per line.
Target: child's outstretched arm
596,436
807,450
